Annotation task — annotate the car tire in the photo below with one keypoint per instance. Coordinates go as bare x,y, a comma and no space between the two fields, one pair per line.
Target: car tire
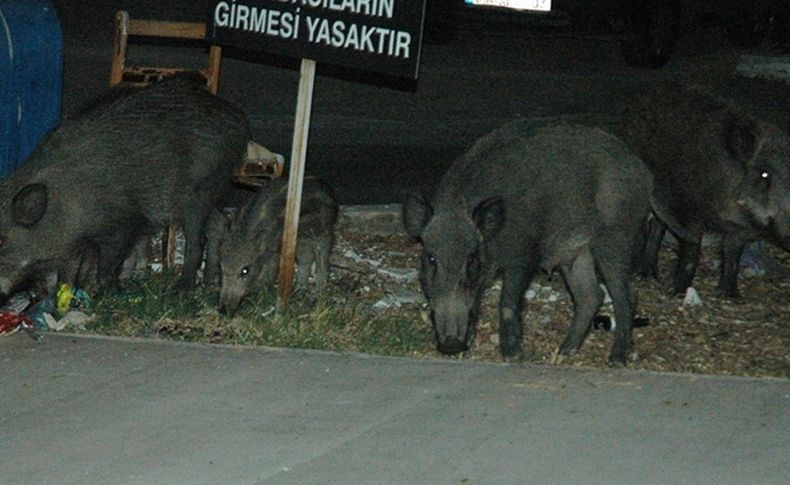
652,31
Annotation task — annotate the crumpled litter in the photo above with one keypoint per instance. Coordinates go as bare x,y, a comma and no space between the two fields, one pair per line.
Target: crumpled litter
70,306
692,297
13,322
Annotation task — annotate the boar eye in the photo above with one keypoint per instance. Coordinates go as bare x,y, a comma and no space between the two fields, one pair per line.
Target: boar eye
244,271
472,267
429,264
765,179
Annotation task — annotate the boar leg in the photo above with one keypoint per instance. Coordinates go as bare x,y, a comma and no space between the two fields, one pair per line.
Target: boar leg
80,270
216,225
652,248
321,251
515,280
582,283
193,251
617,280
305,258
686,267
111,256
731,250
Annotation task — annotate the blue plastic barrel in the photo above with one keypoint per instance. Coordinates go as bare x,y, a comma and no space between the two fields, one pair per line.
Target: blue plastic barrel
31,77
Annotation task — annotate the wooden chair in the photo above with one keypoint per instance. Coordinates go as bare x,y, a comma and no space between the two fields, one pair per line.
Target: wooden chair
142,75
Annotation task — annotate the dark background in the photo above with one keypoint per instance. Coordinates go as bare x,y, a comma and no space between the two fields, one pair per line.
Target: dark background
372,137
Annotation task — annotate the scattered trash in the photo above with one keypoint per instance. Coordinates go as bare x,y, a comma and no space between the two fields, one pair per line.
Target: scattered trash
73,318
606,298
692,297
131,296
20,302
38,314
402,275
752,259
604,322
13,322
352,255
69,298
542,292
608,322
396,300
71,306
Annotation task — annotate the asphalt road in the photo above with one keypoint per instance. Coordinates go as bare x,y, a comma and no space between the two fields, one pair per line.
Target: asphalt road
373,137
85,411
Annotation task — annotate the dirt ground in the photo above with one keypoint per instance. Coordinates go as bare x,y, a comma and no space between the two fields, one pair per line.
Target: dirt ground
749,336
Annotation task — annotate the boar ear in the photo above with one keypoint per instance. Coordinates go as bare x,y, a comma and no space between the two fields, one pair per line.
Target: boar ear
489,217
740,138
416,214
29,204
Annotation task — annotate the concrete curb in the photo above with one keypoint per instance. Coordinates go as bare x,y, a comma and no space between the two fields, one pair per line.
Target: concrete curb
383,220
774,68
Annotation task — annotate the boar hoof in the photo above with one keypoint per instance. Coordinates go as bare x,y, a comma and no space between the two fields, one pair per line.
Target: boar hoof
452,346
618,359
676,292
728,292
569,347
511,350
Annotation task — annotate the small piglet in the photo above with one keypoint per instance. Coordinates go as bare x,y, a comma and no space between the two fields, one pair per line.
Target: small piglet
249,249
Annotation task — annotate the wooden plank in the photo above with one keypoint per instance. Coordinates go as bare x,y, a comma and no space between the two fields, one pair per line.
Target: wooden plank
304,103
157,28
119,50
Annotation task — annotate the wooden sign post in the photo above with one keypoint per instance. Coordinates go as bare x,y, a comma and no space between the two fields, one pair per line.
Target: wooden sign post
304,101
383,36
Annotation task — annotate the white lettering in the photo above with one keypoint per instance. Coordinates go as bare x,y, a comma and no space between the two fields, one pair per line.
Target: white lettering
363,7
311,25
323,32
386,8
221,14
402,46
382,34
338,33
274,20
242,17
367,42
258,19
349,5
352,37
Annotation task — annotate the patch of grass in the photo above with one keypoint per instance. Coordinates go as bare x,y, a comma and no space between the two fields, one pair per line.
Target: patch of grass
150,305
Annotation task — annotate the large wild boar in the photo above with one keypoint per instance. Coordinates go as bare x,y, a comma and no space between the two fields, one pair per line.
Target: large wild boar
717,169
249,249
523,199
128,166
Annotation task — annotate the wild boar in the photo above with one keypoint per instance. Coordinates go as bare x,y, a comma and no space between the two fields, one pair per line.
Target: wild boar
717,169
249,249
524,199
133,163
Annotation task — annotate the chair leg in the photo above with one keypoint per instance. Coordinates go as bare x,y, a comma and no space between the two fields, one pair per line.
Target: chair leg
169,247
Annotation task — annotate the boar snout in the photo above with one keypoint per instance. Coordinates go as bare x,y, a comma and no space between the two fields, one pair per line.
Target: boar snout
452,324
228,304
451,345
227,310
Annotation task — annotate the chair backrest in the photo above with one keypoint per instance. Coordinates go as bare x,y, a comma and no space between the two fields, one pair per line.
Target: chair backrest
142,75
